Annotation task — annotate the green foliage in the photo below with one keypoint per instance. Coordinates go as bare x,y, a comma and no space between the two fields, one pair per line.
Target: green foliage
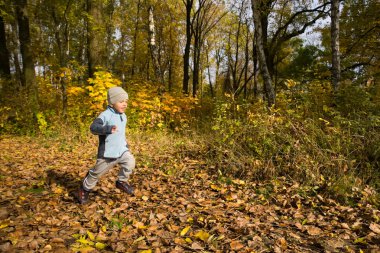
305,137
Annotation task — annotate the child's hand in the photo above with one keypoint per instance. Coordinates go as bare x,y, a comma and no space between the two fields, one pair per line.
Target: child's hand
114,129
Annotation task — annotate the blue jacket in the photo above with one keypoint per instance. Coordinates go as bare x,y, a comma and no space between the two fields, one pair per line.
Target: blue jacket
110,145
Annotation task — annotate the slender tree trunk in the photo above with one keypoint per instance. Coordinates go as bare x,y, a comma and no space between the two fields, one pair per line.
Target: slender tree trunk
134,52
171,61
5,70
186,56
196,59
268,87
246,52
19,75
153,47
255,67
209,75
335,44
217,70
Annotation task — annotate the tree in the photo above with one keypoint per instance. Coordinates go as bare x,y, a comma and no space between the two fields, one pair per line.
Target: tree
186,56
239,47
96,49
5,70
359,39
28,73
268,87
153,48
335,44
206,17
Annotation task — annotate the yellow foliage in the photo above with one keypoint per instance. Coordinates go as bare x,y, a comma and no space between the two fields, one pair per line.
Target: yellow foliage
97,90
149,109
203,235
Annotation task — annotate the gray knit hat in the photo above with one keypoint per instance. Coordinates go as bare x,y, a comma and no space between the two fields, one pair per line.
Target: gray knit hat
116,94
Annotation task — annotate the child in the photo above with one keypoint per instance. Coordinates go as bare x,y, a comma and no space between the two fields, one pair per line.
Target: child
113,148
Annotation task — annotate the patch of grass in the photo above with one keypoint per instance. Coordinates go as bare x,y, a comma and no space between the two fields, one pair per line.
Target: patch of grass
35,190
118,222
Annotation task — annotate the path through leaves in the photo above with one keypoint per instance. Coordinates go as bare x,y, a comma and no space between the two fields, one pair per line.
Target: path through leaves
169,213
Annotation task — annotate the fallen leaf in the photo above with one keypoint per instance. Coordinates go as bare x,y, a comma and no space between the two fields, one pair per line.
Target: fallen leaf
185,230
202,235
236,245
146,251
196,246
139,239
335,243
281,242
312,230
375,228
100,245
90,236
3,226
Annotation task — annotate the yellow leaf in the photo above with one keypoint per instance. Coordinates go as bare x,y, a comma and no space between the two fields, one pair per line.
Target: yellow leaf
104,228
185,230
202,235
146,251
3,226
139,239
90,235
83,240
76,236
188,240
100,245
215,187
238,181
145,198
58,190
86,249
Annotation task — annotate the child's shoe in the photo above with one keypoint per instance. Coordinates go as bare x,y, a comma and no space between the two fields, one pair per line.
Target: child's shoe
83,195
125,187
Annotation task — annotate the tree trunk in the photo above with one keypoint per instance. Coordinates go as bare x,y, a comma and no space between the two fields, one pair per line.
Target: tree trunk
134,52
186,56
14,52
5,70
246,53
95,36
209,74
153,47
255,72
335,44
196,59
25,44
269,91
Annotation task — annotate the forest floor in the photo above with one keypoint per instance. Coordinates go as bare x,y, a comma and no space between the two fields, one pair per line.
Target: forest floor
191,212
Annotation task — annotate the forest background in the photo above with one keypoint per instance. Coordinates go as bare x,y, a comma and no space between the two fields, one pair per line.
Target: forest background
241,90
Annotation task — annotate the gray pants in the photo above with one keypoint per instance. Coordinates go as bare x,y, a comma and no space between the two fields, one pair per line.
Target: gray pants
102,166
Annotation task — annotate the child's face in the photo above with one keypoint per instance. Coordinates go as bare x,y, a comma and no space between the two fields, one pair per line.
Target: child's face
121,106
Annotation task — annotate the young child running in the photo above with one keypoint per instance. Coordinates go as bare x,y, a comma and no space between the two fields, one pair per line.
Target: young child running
113,148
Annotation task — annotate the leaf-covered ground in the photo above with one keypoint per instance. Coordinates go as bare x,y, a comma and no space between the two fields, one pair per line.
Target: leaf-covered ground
169,213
